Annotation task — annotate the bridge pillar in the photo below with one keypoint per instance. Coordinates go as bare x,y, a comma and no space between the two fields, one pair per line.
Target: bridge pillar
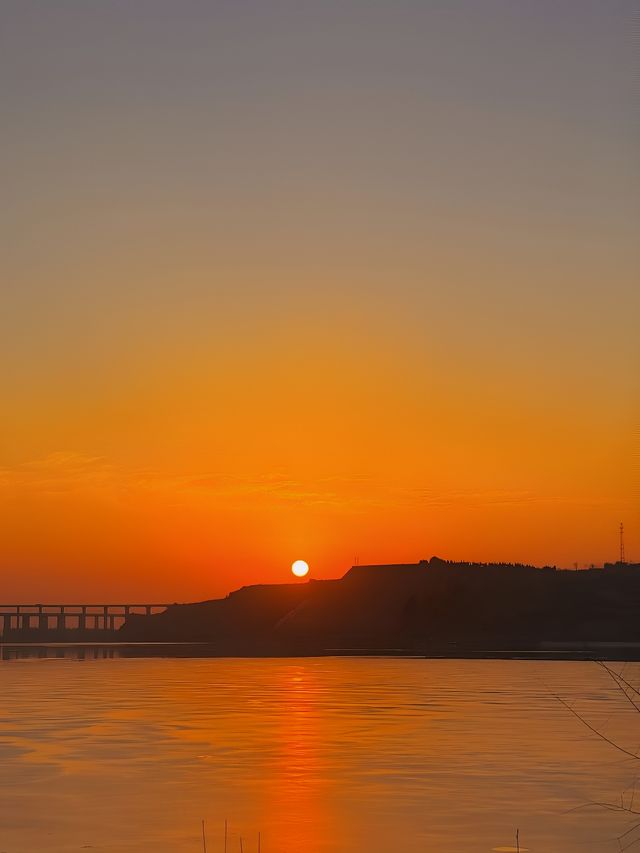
82,619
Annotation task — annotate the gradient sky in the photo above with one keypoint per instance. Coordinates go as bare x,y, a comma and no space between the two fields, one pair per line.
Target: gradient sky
336,280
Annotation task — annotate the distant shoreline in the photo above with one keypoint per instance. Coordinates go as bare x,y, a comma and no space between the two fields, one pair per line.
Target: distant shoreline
434,608
606,651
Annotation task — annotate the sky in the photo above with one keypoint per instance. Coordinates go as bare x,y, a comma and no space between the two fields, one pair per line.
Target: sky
344,281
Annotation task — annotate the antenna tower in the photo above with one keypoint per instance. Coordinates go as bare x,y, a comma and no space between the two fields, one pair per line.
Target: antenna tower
622,542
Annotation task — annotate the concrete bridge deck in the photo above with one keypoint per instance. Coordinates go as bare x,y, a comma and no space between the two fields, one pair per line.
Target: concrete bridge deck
61,617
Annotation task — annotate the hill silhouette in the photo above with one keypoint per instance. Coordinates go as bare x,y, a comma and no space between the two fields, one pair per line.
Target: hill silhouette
431,607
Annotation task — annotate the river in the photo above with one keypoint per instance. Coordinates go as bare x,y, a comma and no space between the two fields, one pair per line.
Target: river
318,755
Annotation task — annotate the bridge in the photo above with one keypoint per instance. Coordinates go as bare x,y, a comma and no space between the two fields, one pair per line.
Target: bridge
62,617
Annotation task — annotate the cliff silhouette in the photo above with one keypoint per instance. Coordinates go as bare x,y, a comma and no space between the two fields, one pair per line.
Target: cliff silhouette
431,607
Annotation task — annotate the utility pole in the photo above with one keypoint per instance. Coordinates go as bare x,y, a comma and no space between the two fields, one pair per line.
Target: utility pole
622,560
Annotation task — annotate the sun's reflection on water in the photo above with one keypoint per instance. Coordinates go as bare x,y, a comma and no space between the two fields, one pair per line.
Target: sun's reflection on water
296,801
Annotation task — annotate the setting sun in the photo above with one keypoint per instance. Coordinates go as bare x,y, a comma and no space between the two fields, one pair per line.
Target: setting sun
300,568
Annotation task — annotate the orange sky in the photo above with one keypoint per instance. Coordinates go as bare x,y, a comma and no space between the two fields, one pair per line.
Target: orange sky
302,286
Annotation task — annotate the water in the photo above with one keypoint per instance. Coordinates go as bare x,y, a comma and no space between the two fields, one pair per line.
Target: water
329,755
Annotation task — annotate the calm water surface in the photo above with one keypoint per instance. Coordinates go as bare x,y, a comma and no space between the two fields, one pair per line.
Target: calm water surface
328,755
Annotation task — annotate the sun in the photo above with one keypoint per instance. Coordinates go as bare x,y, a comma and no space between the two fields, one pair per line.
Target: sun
300,568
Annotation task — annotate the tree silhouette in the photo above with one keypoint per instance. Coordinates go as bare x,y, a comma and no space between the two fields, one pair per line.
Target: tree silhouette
627,804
